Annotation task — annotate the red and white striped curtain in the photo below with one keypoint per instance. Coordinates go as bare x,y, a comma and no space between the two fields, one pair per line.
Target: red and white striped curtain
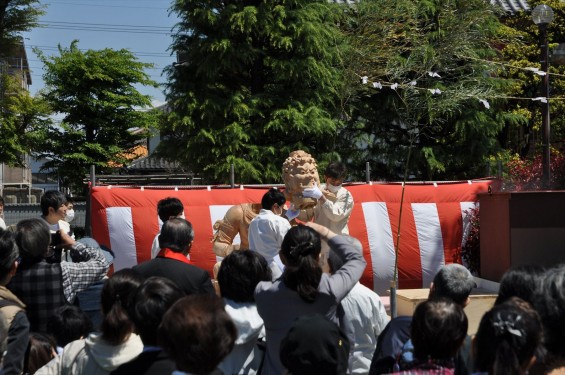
432,227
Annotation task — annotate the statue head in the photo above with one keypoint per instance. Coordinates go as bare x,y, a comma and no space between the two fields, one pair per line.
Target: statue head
300,171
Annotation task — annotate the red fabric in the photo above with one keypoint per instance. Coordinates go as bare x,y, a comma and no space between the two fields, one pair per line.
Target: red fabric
171,254
200,204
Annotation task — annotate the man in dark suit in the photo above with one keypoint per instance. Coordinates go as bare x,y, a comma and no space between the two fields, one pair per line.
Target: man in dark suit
173,261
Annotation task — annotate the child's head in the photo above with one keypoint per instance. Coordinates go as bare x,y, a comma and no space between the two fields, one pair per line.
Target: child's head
439,328
68,323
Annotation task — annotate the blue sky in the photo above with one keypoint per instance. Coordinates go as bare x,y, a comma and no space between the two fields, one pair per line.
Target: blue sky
141,26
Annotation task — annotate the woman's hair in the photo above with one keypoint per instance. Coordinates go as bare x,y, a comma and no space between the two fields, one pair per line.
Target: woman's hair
549,302
301,248
439,327
522,282
68,323
507,339
151,301
197,333
239,274
40,351
117,297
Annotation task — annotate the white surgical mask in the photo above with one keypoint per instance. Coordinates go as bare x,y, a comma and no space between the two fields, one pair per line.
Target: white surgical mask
332,188
70,216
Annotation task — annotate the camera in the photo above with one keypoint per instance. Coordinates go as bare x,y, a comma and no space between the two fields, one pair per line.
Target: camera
56,239
55,248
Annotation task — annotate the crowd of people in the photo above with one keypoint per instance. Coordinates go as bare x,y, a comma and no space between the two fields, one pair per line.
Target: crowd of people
290,304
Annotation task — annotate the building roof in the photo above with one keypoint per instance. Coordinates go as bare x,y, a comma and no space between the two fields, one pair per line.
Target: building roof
133,153
151,162
509,6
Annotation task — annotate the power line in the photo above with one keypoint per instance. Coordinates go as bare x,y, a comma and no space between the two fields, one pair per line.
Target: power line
116,30
104,5
107,24
139,53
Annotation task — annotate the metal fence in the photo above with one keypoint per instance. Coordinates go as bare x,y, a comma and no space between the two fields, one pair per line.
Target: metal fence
19,211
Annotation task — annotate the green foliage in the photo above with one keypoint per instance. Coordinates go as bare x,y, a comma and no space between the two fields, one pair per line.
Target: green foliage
525,138
404,42
95,92
258,79
16,16
22,118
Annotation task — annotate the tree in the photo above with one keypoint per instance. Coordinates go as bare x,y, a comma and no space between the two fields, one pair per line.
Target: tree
256,80
525,140
20,114
95,93
16,16
23,119
431,98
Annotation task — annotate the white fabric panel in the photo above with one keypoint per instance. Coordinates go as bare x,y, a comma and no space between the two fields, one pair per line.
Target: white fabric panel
381,245
430,240
122,238
466,220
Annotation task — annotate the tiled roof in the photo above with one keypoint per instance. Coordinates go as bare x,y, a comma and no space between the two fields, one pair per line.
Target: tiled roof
510,6
152,163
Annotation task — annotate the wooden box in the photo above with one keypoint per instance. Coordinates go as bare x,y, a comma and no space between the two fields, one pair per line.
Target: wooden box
482,300
521,228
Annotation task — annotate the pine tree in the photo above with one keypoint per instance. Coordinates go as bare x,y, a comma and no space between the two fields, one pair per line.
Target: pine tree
256,80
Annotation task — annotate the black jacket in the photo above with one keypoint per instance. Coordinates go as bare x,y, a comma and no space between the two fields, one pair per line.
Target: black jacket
191,279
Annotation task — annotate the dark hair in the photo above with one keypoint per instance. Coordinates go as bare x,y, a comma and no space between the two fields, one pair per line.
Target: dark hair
8,252
1,200
176,234
168,207
549,302
335,261
197,333
69,199
52,198
117,297
68,323
314,345
272,197
521,282
150,302
336,170
453,281
239,274
507,339
40,351
301,248
438,329
33,238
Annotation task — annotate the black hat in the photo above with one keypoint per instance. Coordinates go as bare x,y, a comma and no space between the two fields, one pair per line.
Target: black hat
315,345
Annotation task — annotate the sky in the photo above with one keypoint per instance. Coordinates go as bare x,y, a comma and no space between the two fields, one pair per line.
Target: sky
141,26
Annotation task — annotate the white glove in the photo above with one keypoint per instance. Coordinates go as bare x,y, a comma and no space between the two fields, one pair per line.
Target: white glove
312,192
292,213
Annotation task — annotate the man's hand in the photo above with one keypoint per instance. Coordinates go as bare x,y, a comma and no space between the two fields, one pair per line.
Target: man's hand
313,192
